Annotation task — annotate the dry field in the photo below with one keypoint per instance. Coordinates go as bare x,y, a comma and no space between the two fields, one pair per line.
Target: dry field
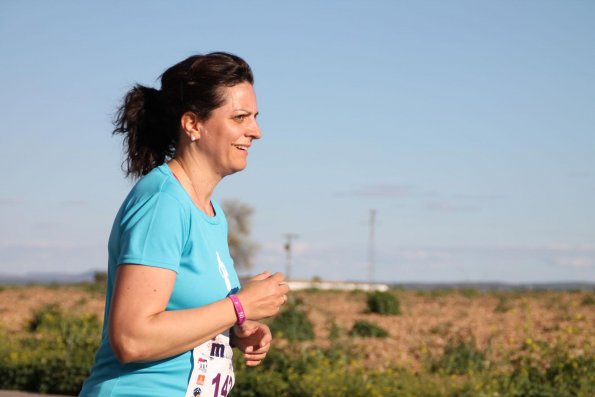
498,322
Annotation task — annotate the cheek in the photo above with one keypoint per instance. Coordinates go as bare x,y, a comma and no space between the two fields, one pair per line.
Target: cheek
236,134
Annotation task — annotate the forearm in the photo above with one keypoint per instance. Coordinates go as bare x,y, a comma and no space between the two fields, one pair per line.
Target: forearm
168,333
141,329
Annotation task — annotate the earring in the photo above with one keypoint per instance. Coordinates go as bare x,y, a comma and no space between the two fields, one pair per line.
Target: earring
192,138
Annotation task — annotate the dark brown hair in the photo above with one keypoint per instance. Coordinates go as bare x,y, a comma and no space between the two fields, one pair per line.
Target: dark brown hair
149,119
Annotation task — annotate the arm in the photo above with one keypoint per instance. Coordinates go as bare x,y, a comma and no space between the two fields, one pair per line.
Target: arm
140,329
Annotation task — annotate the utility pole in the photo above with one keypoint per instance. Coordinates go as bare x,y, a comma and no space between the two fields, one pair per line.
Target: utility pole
290,237
371,253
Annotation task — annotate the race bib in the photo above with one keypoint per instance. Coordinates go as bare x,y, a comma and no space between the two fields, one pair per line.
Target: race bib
212,368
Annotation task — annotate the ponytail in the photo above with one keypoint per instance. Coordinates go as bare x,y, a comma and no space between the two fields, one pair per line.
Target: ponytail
148,140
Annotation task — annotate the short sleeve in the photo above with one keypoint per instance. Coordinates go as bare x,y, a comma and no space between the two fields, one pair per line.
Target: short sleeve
153,232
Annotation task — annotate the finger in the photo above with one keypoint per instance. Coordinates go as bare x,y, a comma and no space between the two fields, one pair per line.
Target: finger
261,276
246,329
264,336
261,350
278,277
241,332
255,357
267,338
253,363
257,349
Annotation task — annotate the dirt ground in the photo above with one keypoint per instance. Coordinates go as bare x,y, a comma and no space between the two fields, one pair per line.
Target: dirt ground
499,322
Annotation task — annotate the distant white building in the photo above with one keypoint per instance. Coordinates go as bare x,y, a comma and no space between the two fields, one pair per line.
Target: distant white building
296,285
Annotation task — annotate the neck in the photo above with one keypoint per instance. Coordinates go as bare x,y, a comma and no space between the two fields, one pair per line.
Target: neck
198,183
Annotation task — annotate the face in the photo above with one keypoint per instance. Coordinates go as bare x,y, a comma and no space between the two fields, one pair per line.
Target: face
228,134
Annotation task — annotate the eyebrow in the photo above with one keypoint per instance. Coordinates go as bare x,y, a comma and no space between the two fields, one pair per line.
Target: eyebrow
247,111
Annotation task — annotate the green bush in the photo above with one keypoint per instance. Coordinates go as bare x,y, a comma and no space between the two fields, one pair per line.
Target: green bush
334,330
503,304
55,355
98,286
314,372
339,372
588,300
292,323
367,329
48,317
542,370
383,303
459,357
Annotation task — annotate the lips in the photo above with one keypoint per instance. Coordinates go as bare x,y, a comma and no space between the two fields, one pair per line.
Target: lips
242,147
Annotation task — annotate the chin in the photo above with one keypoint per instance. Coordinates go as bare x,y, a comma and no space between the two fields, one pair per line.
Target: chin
236,169
240,167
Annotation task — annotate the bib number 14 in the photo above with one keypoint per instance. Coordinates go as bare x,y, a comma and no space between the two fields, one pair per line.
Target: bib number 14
225,387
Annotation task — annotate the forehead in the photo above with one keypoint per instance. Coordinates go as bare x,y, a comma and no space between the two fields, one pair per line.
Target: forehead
239,96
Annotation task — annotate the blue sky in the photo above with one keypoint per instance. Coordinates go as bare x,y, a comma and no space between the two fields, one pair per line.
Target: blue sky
467,125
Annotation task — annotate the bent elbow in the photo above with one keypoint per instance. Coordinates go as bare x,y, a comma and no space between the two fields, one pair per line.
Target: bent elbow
125,349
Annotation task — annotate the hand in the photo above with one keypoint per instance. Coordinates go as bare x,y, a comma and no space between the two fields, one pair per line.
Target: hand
263,295
254,340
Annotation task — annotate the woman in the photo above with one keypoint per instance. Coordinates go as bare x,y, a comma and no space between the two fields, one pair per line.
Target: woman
173,304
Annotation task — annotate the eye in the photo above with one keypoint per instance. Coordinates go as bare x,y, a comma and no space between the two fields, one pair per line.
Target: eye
240,117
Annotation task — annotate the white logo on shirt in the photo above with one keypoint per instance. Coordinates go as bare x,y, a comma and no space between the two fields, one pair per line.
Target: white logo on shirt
223,272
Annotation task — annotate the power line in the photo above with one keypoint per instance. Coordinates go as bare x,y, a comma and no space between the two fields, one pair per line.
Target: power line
288,245
371,247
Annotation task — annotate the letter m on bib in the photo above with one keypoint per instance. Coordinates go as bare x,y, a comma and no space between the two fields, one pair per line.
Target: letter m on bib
217,350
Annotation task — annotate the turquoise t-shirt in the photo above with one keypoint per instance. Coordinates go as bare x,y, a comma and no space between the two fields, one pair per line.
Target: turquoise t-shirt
159,225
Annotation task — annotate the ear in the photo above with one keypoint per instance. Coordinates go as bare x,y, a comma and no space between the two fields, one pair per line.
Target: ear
191,126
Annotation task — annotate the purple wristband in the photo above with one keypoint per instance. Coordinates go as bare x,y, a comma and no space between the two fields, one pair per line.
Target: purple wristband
237,305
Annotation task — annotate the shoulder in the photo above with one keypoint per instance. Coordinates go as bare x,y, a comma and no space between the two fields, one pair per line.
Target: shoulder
158,186
160,181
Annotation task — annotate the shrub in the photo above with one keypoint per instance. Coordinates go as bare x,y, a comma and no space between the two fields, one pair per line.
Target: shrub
503,304
541,370
367,330
334,330
292,323
383,303
459,357
588,300
340,372
55,355
49,317
97,286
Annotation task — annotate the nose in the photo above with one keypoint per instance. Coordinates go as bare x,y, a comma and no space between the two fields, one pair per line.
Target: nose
254,131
